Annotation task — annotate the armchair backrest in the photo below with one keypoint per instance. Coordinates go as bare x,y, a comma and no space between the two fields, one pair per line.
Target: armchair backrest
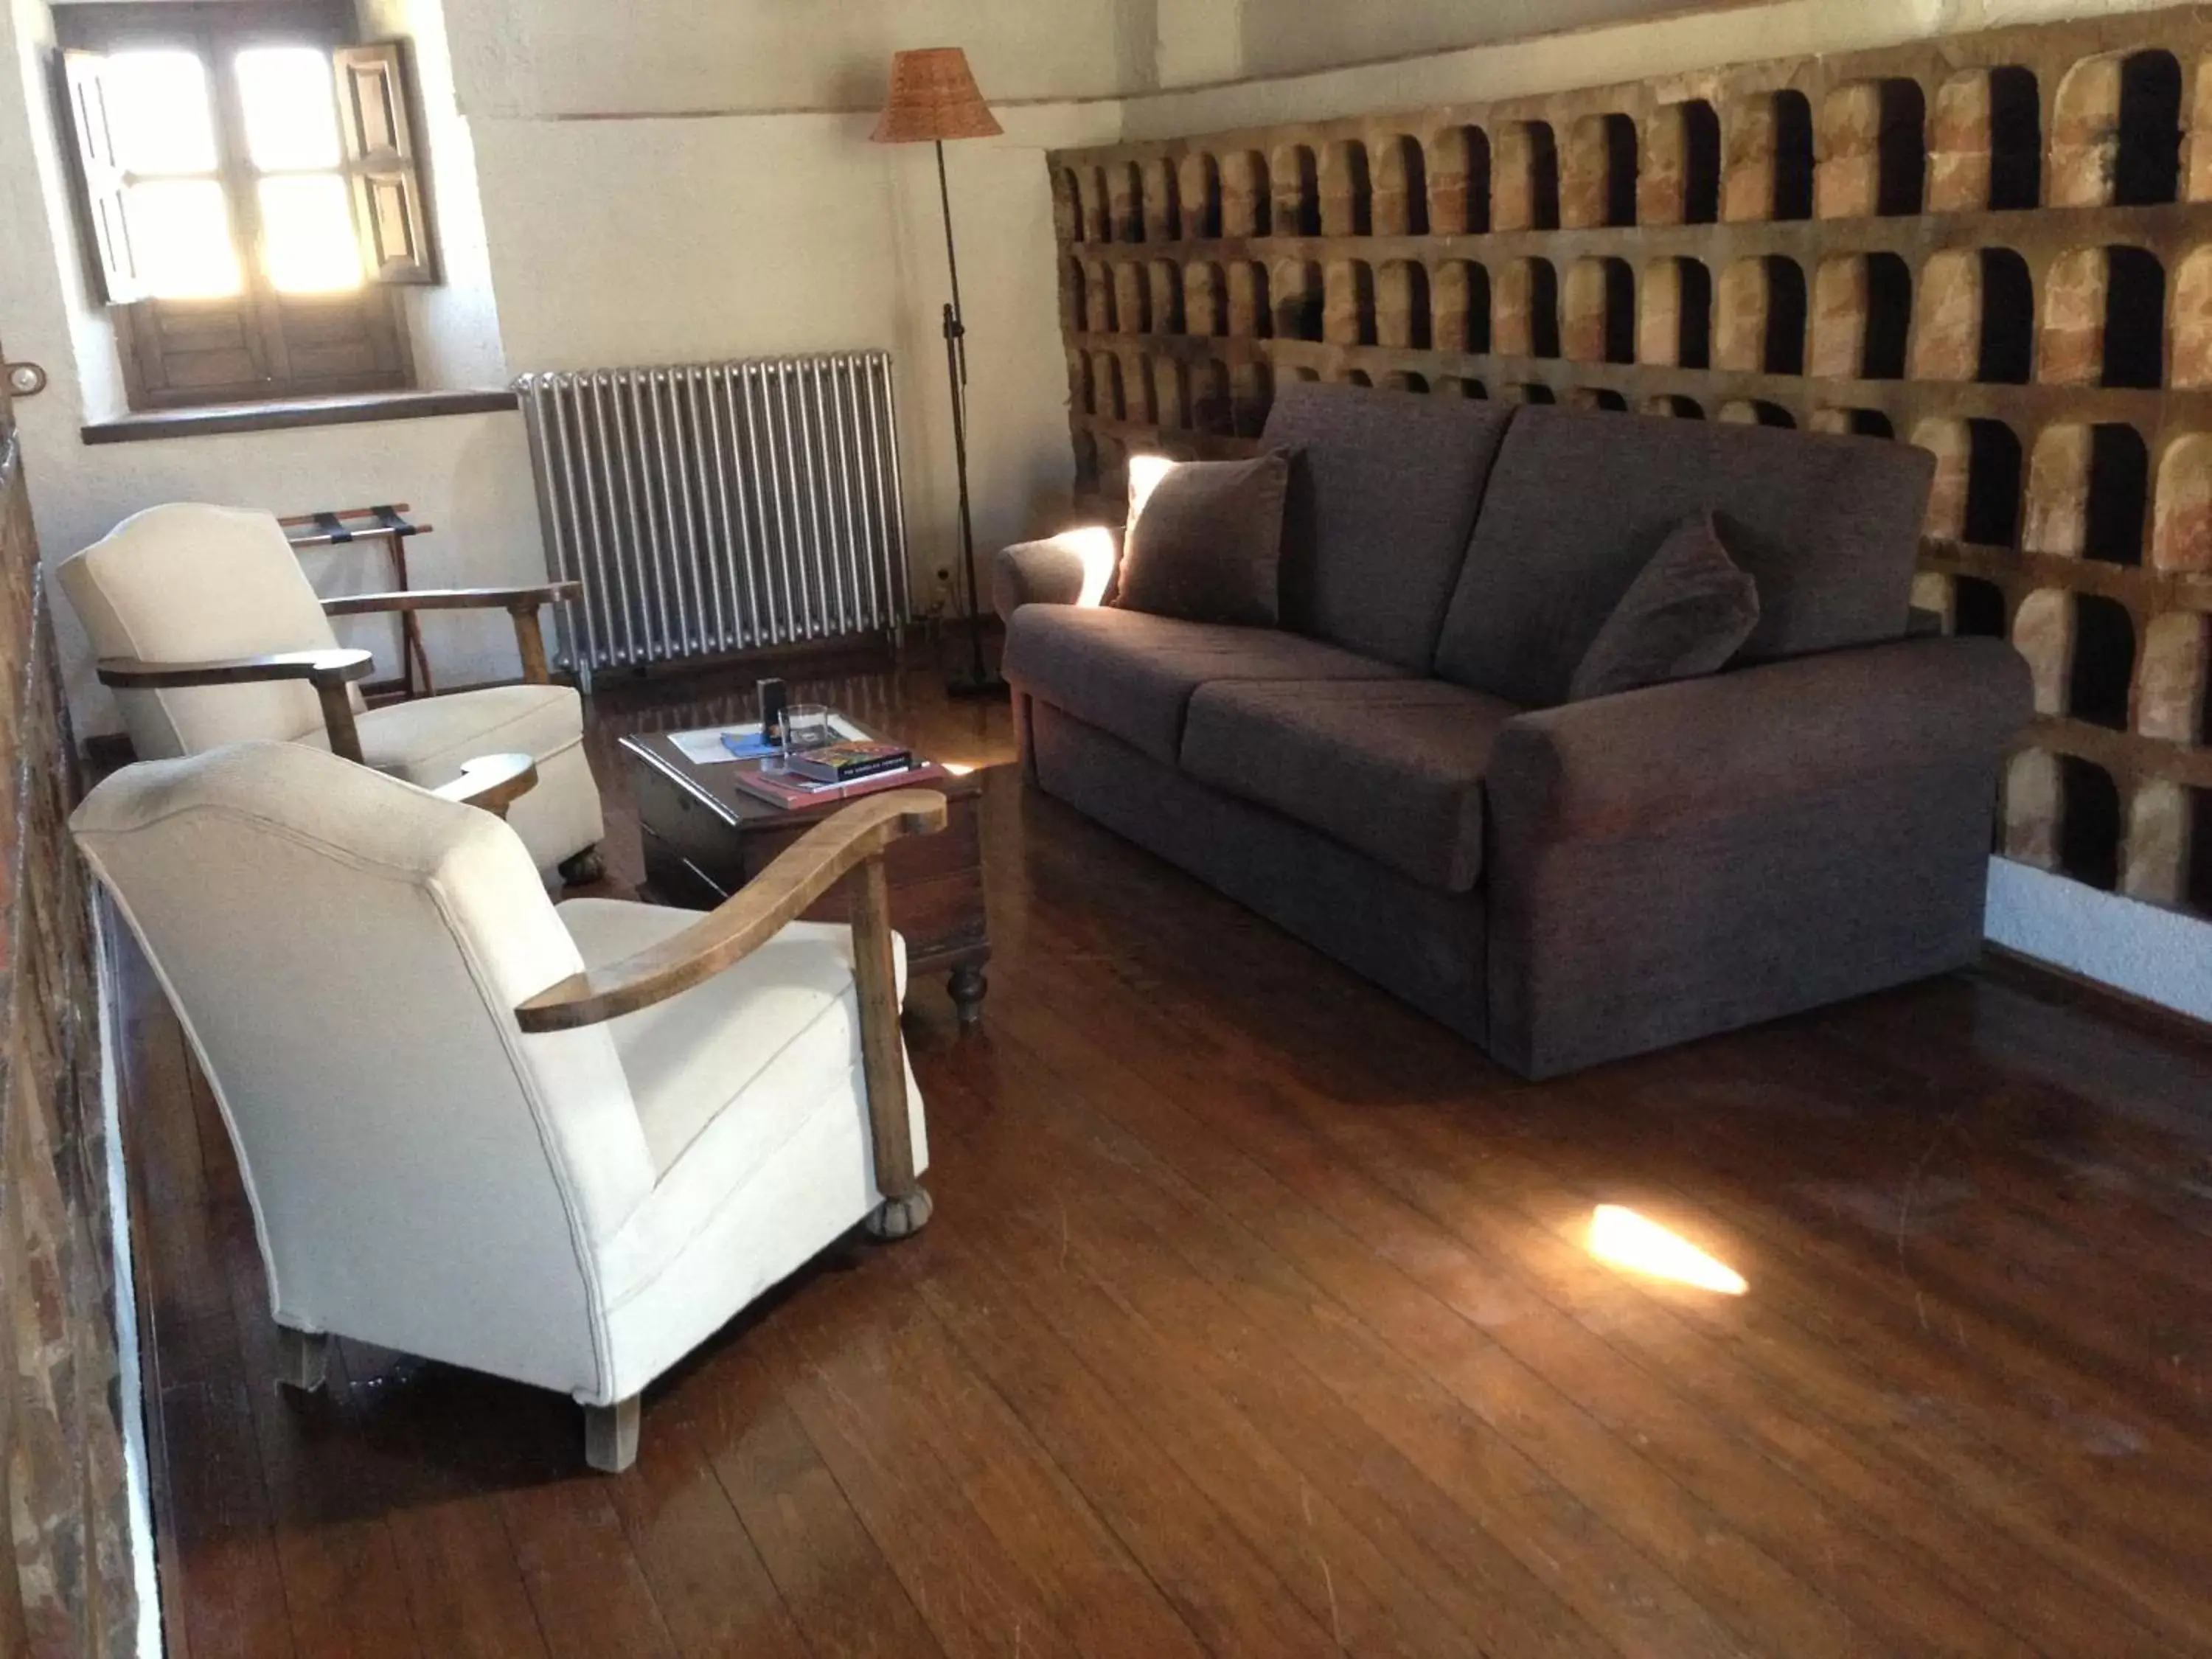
191,583
345,952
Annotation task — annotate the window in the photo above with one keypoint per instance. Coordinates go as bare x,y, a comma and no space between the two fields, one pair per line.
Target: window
247,194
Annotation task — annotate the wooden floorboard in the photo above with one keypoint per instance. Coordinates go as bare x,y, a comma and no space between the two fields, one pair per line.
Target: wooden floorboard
1258,1317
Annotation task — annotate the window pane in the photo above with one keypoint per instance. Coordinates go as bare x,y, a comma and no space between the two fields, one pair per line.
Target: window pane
306,235
181,234
158,112
291,110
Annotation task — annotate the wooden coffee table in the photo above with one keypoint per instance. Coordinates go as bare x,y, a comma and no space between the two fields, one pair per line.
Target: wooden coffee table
705,838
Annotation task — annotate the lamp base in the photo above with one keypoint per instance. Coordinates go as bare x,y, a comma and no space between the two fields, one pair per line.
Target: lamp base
968,686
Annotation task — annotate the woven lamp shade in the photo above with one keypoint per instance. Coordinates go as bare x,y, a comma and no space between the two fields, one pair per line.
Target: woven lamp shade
933,95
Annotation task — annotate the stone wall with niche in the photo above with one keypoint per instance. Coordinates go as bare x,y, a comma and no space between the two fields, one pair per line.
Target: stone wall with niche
1996,246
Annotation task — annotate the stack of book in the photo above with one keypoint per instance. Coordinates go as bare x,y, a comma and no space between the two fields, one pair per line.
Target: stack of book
838,771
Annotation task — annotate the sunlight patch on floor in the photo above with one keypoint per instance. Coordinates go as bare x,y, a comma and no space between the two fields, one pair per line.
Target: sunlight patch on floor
1626,1239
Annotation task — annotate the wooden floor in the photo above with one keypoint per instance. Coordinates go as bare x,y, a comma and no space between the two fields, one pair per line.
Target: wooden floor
1257,1318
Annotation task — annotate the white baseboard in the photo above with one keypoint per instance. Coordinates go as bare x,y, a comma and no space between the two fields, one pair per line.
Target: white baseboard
129,1356
2159,956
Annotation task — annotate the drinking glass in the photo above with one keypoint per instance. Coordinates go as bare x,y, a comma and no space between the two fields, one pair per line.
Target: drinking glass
805,726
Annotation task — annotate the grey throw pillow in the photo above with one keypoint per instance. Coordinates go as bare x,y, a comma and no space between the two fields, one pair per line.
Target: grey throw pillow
1686,614
1208,544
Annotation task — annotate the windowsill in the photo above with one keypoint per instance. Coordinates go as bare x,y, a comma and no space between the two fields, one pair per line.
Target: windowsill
286,413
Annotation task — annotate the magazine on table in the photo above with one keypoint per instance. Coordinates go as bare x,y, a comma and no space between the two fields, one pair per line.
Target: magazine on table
710,746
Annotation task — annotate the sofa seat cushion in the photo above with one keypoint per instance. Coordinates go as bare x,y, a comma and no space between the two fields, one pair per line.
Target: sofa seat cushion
761,1035
1133,674
425,739
1391,768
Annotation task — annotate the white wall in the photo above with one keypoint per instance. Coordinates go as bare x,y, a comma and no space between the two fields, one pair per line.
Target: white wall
735,206
1213,41
546,58
453,326
1294,37
2157,955
1516,62
753,236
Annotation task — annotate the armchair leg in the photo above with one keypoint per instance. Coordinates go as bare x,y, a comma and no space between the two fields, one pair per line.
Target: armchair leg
906,1207
611,1436
302,1358
902,1218
583,868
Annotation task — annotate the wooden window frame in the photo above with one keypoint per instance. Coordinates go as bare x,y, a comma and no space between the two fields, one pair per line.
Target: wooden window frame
258,345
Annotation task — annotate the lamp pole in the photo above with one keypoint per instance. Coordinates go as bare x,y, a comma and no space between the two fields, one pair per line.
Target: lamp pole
979,681
933,96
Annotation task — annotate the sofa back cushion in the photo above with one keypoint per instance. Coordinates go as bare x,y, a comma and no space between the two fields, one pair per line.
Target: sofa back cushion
1383,494
1827,527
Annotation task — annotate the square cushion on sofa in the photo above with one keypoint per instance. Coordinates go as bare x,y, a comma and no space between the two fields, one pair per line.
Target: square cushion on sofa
1392,768
1206,543
1687,613
1827,527
1383,494
1133,674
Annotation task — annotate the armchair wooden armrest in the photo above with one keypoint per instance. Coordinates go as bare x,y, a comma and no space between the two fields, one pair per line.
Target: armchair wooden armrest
519,603
847,847
329,672
453,598
493,782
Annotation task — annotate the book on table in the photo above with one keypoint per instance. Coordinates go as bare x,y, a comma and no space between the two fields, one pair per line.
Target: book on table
847,761
795,794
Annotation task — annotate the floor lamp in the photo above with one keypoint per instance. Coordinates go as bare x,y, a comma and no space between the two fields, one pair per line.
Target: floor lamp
934,97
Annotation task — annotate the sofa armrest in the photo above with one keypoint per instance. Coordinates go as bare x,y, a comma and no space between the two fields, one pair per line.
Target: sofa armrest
1691,858
1637,763
1074,567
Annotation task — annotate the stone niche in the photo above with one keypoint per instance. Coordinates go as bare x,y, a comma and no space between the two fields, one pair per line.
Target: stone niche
1997,247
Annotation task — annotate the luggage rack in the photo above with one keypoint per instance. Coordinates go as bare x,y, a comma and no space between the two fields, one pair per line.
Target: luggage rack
390,525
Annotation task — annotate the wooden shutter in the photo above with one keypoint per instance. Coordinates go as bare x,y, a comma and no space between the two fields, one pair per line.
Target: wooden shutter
102,227
380,155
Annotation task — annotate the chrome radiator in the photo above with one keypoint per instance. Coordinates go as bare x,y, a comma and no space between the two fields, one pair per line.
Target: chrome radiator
711,508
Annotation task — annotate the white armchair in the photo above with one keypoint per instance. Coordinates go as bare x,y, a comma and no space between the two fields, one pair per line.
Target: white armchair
209,633
559,1145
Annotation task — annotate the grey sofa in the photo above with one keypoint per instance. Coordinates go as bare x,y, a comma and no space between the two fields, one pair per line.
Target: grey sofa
1395,777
